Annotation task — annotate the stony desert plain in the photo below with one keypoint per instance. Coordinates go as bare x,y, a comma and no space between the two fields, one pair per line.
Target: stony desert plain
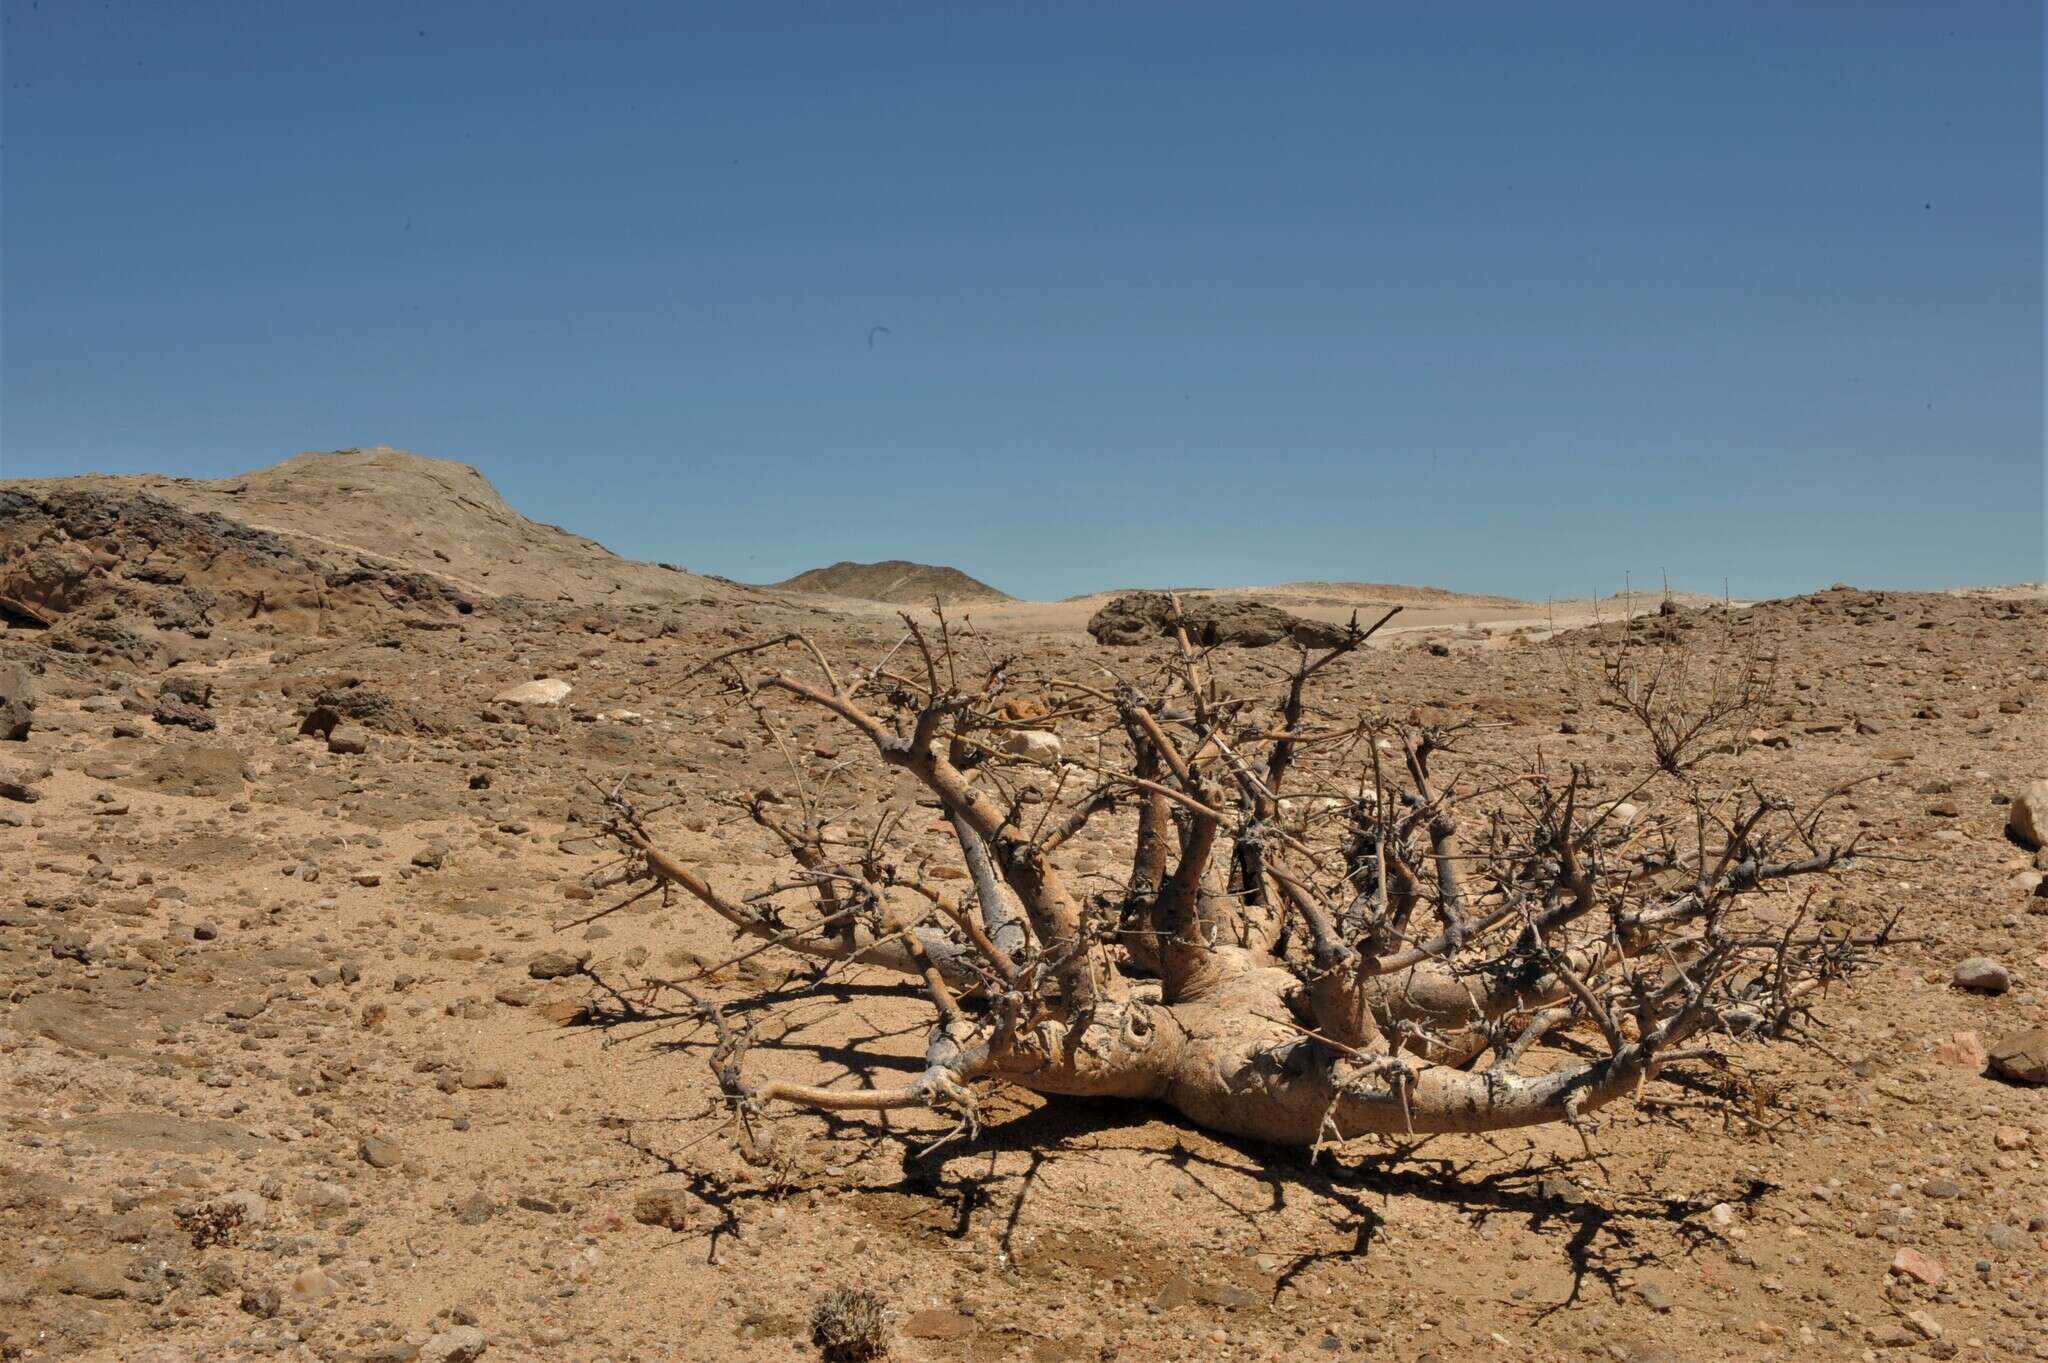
321,1045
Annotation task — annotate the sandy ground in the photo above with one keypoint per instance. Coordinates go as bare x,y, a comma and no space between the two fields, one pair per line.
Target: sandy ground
242,970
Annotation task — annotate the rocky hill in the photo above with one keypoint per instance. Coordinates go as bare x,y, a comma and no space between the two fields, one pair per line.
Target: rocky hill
127,575
896,581
384,510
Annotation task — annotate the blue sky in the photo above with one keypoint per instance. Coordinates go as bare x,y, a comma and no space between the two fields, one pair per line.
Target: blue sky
1501,297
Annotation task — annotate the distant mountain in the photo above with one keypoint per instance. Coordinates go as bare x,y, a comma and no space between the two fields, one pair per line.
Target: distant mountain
896,581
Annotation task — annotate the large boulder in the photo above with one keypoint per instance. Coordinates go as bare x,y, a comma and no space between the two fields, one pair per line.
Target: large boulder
1140,617
17,699
2028,817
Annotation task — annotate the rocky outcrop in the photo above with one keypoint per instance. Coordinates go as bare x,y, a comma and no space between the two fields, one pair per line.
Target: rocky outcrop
1140,617
73,557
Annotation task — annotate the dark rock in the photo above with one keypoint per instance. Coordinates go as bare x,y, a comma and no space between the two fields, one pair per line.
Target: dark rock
2022,1057
668,1208
370,708
319,722
187,689
17,702
554,965
1140,617
172,711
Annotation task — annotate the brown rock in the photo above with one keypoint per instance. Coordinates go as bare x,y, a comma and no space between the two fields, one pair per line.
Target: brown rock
1982,975
379,1152
320,722
563,1012
554,965
1140,617
2022,1057
1921,1268
669,1208
348,738
1964,1050
312,1284
90,1278
194,770
475,1209
17,701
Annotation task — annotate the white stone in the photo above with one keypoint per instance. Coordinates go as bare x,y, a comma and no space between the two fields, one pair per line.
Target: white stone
1034,745
545,691
1306,809
459,1345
